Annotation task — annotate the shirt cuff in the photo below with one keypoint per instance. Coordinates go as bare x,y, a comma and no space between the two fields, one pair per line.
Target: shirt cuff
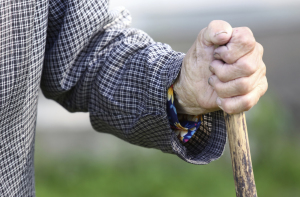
185,126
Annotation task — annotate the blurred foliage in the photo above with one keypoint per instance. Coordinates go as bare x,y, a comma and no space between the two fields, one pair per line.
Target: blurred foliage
274,142
140,177
275,153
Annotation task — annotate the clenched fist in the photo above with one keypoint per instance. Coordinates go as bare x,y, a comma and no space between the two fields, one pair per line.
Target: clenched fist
223,69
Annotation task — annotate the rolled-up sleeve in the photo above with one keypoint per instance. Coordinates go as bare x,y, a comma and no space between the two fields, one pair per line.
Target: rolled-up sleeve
95,63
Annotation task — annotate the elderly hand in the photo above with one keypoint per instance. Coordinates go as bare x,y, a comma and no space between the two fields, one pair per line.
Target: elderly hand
223,69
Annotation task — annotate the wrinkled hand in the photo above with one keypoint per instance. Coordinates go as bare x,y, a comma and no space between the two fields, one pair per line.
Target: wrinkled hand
223,69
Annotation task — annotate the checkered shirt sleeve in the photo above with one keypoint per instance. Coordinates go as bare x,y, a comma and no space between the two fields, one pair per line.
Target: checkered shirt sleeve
89,60
95,63
23,26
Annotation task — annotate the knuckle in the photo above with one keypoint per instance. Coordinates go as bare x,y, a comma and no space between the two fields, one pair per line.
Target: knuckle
247,67
264,86
242,86
247,38
264,69
248,30
243,39
247,104
260,48
249,42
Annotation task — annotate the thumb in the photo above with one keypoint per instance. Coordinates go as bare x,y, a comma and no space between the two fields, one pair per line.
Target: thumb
218,32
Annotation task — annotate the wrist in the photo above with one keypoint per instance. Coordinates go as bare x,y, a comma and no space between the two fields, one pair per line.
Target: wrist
184,102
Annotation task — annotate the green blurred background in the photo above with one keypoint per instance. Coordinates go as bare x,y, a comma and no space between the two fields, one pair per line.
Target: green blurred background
73,160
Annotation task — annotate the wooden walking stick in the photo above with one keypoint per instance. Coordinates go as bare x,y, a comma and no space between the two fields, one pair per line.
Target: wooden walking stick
240,155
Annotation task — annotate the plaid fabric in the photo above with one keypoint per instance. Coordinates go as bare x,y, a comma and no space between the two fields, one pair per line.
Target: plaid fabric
92,62
23,26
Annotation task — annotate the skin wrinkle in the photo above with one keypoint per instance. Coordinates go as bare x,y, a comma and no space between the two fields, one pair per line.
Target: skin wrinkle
203,56
224,76
231,46
223,91
247,100
238,81
199,56
185,98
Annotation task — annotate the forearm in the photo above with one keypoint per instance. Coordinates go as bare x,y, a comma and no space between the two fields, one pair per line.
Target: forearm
121,77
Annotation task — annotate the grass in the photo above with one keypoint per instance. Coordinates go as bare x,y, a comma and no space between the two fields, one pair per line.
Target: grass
275,154
151,176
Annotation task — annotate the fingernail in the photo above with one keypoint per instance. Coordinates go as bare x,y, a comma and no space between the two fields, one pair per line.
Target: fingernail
210,80
219,102
217,56
221,32
211,69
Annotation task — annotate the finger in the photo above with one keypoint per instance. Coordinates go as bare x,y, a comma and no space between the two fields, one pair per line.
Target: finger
218,32
232,88
243,67
241,43
236,87
239,104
